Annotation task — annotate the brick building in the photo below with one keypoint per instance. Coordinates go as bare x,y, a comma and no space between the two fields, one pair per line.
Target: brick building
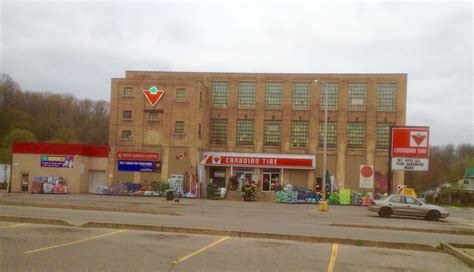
264,126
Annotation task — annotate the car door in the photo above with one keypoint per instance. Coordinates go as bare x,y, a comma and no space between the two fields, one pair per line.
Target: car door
396,204
415,207
412,206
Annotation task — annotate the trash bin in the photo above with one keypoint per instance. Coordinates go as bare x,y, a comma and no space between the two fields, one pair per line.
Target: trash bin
169,194
323,206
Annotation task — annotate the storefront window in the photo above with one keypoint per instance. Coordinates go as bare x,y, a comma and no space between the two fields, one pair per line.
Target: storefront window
357,96
332,90
356,135
245,132
301,96
272,133
181,95
299,133
273,95
331,136
218,131
219,94
247,95
386,96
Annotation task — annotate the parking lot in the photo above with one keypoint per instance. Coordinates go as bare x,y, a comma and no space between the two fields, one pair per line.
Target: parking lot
53,248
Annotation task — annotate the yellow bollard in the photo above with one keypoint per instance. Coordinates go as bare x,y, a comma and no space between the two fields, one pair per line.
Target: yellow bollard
323,206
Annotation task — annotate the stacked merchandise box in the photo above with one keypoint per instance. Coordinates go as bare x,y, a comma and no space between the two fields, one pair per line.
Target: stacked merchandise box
345,196
52,185
287,195
118,189
37,187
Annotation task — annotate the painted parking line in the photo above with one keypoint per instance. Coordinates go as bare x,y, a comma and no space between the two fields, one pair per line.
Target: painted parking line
332,260
14,226
74,242
182,259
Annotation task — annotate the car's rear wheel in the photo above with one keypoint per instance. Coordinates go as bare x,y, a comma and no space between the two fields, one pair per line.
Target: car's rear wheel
433,216
385,212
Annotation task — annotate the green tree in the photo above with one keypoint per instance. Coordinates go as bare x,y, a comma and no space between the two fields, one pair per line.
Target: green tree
14,135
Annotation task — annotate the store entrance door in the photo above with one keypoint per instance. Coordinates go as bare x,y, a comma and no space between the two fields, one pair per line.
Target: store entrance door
24,182
269,181
217,174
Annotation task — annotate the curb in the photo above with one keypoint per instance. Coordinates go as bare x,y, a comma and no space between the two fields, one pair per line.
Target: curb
261,235
440,231
454,249
84,207
35,220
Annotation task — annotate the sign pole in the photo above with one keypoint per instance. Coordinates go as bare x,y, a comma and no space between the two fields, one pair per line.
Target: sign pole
389,174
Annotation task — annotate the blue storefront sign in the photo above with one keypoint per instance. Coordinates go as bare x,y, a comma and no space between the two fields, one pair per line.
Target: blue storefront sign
139,166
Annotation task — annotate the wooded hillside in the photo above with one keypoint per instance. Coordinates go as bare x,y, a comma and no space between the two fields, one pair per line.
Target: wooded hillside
48,117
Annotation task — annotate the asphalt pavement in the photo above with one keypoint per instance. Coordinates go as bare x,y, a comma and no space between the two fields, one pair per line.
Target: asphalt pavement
306,224
30,247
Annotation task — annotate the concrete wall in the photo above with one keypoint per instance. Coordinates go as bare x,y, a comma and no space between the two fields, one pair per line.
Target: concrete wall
77,178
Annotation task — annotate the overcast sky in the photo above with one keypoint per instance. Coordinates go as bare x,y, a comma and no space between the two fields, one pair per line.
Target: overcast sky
78,47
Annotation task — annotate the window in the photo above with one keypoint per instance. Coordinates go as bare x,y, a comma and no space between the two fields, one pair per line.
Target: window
181,95
247,95
126,134
152,115
219,94
199,130
301,96
179,127
127,114
218,131
127,91
396,199
272,133
245,131
356,135
333,92
466,182
386,96
273,95
332,134
357,96
411,201
299,133
200,97
383,135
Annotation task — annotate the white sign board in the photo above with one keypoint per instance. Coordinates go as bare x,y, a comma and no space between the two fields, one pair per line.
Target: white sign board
366,176
5,170
410,164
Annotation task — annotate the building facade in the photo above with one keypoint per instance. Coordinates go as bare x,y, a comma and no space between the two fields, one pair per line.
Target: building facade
80,167
263,126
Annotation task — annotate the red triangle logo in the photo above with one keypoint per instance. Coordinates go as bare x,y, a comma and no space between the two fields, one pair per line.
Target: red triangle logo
418,138
153,95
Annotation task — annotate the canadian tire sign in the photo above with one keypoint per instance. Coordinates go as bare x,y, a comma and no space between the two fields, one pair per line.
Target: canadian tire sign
410,148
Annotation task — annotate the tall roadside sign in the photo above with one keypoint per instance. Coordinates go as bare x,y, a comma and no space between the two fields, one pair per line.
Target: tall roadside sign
409,149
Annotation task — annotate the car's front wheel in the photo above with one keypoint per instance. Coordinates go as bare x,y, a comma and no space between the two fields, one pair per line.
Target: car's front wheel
385,212
433,216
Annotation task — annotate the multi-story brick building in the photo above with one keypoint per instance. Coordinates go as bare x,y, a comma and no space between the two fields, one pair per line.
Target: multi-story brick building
262,125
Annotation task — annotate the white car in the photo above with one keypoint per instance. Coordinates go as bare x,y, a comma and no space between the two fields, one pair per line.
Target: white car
407,206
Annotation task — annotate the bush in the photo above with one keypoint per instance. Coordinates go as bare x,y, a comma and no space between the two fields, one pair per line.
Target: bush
159,186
